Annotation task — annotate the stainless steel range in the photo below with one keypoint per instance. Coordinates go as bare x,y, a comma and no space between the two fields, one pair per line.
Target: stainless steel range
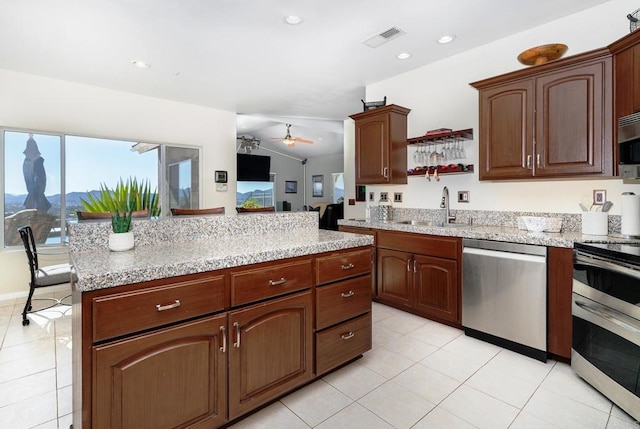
606,321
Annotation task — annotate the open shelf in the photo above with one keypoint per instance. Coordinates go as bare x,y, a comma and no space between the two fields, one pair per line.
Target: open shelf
442,137
442,170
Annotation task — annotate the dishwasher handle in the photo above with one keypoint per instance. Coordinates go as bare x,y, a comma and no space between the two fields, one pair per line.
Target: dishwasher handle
504,255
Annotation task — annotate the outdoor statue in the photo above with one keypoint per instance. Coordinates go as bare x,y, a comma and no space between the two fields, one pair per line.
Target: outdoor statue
35,177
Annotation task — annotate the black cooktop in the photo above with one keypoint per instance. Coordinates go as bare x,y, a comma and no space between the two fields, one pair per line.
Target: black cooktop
620,251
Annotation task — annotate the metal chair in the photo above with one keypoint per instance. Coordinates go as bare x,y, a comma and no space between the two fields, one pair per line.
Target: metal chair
42,277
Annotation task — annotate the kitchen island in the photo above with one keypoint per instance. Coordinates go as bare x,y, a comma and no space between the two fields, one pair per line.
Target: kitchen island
209,318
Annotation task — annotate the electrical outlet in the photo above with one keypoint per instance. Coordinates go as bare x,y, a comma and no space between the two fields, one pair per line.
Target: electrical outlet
384,196
372,196
463,196
397,197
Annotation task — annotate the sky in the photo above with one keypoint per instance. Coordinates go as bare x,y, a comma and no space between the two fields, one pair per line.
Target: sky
89,162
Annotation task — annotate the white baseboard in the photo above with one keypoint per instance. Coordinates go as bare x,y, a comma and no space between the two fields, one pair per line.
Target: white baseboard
40,291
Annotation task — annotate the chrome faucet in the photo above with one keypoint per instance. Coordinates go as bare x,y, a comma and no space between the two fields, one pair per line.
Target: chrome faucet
444,204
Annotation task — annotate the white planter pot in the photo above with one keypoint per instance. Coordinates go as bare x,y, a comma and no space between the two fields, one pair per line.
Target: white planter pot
121,241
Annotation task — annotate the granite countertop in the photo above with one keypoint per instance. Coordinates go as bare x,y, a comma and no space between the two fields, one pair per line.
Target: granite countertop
101,268
496,233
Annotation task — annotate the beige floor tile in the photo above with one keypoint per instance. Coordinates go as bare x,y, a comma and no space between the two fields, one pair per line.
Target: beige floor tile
27,387
564,412
403,323
316,402
382,336
275,415
436,334
473,349
520,366
355,416
441,419
622,415
410,348
451,364
32,361
563,381
355,380
527,421
427,383
380,312
18,334
385,363
479,409
503,386
65,403
396,405
25,414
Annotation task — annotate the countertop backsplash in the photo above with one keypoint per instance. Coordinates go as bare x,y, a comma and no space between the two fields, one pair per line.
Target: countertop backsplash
571,222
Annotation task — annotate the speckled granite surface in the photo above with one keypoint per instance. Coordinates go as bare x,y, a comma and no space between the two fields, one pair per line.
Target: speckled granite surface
178,246
488,225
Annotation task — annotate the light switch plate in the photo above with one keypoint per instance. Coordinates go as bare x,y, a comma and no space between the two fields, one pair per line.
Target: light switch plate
384,196
397,197
372,196
463,196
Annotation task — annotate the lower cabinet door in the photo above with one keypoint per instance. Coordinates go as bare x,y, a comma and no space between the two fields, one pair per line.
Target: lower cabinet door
339,344
436,287
394,282
270,350
171,378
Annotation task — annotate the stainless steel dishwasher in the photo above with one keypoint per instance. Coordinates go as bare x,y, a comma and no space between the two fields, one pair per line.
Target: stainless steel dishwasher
504,295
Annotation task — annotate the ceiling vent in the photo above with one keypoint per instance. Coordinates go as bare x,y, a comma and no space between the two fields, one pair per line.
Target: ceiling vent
383,37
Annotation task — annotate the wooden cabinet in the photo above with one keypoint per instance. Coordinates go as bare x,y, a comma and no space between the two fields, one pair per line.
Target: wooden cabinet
381,145
560,275
626,65
553,120
199,350
170,378
343,308
420,273
371,232
270,351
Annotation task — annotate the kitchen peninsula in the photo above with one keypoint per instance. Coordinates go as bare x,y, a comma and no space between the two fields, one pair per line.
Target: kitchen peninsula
211,317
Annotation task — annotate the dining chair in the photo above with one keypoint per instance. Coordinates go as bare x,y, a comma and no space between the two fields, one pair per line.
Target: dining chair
42,276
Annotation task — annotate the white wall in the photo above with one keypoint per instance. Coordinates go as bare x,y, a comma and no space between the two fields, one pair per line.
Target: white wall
288,169
43,104
439,96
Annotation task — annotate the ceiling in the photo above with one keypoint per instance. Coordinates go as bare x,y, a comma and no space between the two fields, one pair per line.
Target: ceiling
240,55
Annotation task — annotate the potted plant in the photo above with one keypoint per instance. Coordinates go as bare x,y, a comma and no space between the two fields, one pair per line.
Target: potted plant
122,237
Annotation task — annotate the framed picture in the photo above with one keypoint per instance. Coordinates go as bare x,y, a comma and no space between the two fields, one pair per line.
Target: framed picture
318,182
291,187
220,176
599,197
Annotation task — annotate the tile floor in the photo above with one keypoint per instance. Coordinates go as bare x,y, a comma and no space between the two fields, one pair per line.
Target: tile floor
420,374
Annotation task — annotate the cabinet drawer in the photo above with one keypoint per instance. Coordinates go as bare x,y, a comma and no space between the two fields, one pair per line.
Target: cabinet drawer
127,312
342,301
271,280
342,265
432,245
341,343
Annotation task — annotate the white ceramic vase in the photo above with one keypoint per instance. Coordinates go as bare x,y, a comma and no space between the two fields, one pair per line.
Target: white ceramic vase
121,241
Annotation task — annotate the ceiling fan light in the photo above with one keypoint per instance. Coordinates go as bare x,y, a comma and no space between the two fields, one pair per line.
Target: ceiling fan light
292,19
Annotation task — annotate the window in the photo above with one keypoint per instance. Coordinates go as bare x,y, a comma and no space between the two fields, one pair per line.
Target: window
46,175
256,194
338,187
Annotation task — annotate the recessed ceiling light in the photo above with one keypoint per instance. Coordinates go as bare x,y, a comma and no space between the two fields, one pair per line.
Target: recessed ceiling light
140,64
403,55
292,19
447,39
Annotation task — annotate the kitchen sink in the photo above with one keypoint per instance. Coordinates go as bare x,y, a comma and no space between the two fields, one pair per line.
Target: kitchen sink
429,223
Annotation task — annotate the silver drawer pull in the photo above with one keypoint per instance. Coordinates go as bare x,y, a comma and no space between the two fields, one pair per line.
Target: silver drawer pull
347,336
175,304
223,334
348,294
348,266
236,344
277,282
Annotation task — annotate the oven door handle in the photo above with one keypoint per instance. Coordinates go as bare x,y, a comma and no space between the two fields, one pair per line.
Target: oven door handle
616,267
610,315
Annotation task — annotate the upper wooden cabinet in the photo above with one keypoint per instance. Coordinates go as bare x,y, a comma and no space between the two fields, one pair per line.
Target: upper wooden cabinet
381,145
551,120
626,65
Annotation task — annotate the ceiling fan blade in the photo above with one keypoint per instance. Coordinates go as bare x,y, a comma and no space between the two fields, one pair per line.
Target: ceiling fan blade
301,140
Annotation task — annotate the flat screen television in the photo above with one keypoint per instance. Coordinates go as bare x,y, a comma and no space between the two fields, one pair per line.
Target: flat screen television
253,168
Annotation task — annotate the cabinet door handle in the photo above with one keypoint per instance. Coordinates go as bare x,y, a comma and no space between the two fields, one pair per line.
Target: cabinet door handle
223,334
538,160
414,266
175,304
408,264
348,266
385,172
348,294
528,162
347,336
277,282
236,326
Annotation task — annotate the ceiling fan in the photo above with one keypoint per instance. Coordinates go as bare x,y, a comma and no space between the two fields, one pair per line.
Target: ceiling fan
291,141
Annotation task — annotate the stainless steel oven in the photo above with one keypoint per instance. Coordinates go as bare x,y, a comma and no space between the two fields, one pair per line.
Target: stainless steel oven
606,321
